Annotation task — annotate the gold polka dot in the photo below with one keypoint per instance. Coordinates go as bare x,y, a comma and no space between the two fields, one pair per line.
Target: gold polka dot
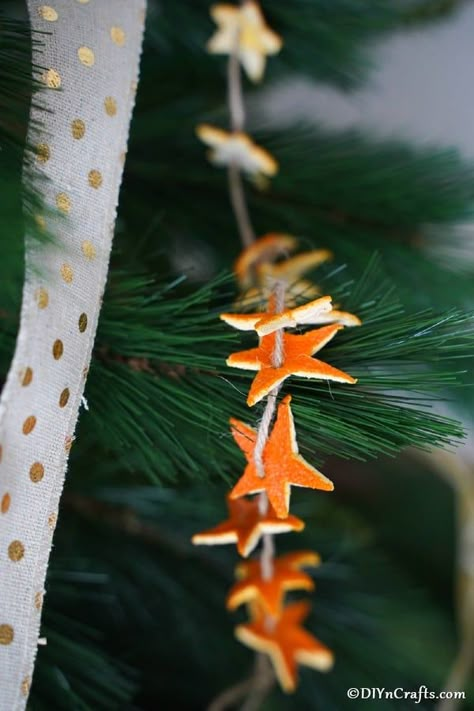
29,424
52,79
43,153
46,12
52,519
26,376
42,298
6,501
16,551
40,222
83,2
36,472
82,322
25,686
68,442
64,398
38,600
6,634
67,273
58,349
78,128
110,106
123,157
86,56
1,452
117,35
63,202
95,179
88,250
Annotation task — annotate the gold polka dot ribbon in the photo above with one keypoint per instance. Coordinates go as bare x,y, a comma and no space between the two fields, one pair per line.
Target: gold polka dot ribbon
79,128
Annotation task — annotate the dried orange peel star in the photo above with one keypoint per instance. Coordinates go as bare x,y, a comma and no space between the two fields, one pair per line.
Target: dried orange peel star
297,350
264,250
286,575
244,28
286,643
257,269
283,465
236,148
319,311
246,525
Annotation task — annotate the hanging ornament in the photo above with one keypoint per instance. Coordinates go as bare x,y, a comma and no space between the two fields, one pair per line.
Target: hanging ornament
237,148
286,642
267,261
246,525
243,30
269,594
314,312
284,467
297,360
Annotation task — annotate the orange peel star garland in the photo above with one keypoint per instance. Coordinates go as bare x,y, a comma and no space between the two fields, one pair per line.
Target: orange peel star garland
272,281
282,464
287,643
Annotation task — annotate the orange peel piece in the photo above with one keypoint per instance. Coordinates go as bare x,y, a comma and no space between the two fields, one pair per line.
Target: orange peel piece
236,148
298,350
315,312
255,40
284,467
246,525
264,249
287,575
286,643
293,268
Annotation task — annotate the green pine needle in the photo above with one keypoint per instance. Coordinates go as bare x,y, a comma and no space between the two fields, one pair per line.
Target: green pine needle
161,393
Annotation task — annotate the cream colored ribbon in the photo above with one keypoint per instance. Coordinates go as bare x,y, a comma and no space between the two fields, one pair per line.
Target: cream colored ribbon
80,126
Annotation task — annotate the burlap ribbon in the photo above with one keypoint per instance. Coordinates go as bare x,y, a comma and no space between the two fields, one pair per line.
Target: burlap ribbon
79,127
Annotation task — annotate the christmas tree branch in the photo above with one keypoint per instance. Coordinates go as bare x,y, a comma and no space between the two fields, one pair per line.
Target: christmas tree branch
156,340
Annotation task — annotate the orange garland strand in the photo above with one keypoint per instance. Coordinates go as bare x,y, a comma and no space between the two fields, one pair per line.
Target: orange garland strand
265,270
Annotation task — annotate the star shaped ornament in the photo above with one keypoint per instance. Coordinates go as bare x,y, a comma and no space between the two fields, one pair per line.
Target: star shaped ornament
269,594
264,250
314,312
246,525
286,643
236,148
243,29
297,360
284,467
291,269
257,269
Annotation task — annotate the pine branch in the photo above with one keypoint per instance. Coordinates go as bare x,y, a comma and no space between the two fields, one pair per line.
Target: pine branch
161,595
347,196
402,361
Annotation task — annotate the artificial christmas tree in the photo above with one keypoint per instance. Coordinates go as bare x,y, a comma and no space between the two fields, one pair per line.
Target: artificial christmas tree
134,615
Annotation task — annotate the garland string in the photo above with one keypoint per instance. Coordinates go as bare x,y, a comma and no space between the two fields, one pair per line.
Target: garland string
268,543
265,272
237,122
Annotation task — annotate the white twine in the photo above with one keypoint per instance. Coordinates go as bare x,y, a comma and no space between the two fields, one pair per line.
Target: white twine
268,546
279,290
